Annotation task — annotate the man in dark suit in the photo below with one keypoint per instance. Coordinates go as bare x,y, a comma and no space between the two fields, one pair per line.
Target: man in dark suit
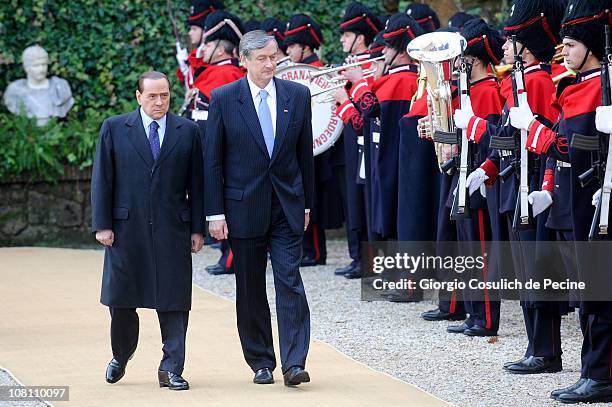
259,182
147,209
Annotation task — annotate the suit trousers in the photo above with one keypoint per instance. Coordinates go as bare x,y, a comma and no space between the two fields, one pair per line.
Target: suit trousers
173,326
252,309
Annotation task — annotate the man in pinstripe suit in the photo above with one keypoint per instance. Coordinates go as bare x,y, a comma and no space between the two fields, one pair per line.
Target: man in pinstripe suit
259,181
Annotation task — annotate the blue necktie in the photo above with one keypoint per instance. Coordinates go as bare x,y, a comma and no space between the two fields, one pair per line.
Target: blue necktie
154,139
265,120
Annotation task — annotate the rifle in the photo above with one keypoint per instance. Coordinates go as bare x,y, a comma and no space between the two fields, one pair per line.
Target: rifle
601,160
177,38
461,201
523,162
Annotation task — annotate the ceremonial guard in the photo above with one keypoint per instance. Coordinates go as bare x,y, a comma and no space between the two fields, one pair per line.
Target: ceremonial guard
424,16
534,25
191,65
359,26
581,119
384,103
302,37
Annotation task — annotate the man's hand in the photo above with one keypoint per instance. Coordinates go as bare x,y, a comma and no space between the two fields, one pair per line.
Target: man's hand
197,241
340,95
424,128
106,237
218,229
462,116
306,220
603,119
353,75
521,117
476,179
540,201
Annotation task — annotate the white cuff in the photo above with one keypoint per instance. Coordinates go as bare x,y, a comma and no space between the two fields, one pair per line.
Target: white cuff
215,217
306,210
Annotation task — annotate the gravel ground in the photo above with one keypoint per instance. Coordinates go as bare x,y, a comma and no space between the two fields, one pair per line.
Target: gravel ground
392,338
6,379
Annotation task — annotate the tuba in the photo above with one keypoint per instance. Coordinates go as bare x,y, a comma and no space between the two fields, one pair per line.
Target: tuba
436,53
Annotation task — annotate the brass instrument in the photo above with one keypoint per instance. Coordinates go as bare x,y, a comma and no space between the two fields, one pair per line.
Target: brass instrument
340,83
329,71
436,53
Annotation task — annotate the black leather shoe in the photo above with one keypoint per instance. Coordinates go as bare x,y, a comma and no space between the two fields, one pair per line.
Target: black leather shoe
171,380
514,362
439,315
343,270
295,375
457,329
308,261
114,371
478,330
591,391
556,393
354,273
263,376
218,269
536,364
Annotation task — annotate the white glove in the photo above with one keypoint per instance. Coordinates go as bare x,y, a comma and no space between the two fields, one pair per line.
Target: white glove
462,116
181,58
539,200
476,179
521,117
603,119
596,197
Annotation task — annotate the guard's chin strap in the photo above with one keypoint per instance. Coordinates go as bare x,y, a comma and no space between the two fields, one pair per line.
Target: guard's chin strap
213,52
301,52
584,60
393,59
352,44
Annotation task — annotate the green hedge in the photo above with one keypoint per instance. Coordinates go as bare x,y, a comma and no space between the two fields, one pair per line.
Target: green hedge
100,47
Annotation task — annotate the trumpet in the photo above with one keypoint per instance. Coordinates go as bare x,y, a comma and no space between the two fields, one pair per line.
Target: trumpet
502,70
343,67
341,84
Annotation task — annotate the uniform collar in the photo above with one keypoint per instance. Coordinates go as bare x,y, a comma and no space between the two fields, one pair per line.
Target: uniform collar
403,68
310,59
585,76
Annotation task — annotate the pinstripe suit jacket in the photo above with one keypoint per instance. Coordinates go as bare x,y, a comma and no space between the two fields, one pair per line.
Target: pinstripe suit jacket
239,175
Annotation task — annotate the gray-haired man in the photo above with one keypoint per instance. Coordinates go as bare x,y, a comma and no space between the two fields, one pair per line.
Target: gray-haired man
259,183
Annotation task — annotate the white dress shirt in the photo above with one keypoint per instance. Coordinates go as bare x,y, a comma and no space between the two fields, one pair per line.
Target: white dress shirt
146,122
271,100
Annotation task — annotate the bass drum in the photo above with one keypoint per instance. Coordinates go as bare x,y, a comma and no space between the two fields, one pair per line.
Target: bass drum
326,126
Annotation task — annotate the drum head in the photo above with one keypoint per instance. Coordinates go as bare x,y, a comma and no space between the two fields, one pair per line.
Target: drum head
326,126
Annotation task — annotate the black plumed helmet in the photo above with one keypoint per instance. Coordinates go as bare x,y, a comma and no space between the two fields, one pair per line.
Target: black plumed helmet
459,19
359,19
400,30
585,20
536,24
200,9
424,16
274,27
377,45
302,29
251,25
483,41
225,32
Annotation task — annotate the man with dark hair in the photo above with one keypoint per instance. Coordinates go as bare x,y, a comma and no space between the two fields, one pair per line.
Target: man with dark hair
147,210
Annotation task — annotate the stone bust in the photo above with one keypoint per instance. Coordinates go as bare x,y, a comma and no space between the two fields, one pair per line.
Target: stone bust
38,96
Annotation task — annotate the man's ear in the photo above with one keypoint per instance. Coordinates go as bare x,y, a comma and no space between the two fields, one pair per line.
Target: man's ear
138,96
